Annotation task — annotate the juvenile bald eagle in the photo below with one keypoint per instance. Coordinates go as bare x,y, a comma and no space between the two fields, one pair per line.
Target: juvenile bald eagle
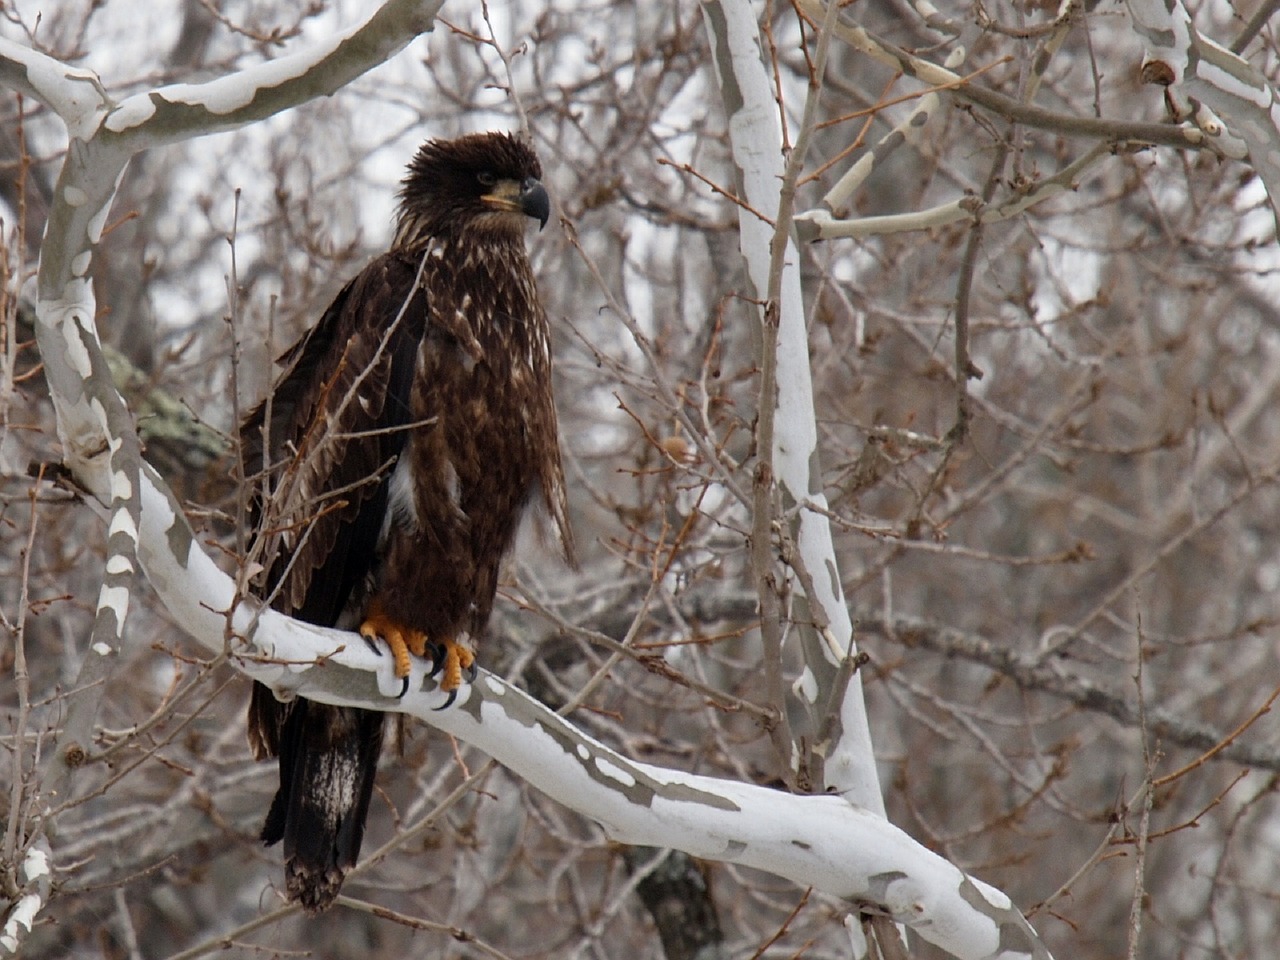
410,428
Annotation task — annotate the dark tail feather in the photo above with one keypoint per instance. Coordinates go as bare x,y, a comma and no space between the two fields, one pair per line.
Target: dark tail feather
328,759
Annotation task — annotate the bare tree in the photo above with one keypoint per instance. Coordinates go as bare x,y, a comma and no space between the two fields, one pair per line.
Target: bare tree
945,329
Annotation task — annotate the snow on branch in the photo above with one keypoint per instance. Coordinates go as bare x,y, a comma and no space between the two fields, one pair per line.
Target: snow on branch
183,110
74,94
829,691
819,841
1219,83
788,451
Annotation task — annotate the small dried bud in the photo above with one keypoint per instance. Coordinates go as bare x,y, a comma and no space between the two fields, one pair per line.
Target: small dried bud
74,755
677,448
1158,72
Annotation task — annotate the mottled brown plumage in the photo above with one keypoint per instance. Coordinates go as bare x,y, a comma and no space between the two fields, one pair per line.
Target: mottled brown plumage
409,430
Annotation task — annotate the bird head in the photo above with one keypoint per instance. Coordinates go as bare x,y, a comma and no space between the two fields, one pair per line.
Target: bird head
484,183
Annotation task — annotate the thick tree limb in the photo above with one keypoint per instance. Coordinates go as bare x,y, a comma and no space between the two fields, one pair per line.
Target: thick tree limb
36,880
830,697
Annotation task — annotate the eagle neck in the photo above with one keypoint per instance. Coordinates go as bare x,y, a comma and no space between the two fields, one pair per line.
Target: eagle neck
413,233
417,232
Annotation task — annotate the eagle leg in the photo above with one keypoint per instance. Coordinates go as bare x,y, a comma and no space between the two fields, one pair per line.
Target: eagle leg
401,640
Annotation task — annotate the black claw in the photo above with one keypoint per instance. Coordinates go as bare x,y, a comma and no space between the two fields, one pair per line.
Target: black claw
472,672
372,644
404,689
453,695
438,654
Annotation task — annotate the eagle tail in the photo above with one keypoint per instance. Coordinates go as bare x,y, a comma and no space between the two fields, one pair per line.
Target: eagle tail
328,760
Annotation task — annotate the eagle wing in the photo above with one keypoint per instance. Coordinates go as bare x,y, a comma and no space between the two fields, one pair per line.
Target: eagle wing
322,445
334,425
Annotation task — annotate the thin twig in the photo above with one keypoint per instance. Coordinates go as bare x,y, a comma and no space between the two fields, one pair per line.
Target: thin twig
417,923
1221,745
13,839
1254,26
1144,823
727,194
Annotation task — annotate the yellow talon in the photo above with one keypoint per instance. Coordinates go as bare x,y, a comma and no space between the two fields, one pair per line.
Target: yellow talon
400,639
449,658
456,659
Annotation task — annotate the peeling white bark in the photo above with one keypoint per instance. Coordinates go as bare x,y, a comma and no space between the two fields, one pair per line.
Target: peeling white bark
854,851
36,879
756,138
1235,105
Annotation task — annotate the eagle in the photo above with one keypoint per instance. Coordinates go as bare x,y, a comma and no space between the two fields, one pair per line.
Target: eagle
393,459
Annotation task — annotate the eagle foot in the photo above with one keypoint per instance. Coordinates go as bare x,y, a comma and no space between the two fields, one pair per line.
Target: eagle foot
451,659
446,658
401,640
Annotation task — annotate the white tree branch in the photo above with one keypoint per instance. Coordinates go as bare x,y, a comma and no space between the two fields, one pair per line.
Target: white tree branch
1221,81
184,110
765,183
756,138
821,225
909,131
74,94
36,880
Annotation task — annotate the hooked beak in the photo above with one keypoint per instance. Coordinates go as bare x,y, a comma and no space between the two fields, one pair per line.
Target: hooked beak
529,198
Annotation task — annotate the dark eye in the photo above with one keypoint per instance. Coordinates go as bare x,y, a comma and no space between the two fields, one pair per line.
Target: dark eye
486,178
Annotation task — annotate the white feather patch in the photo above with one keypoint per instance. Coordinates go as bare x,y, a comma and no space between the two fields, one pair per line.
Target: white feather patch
339,779
402,508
